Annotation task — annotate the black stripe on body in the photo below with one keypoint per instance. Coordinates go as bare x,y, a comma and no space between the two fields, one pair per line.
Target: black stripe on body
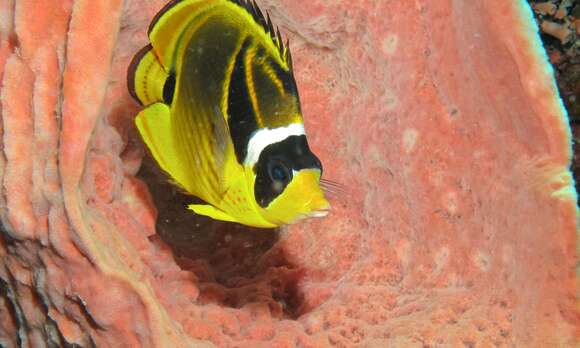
169,88
276,91
199,120
290,154
287,78
241,115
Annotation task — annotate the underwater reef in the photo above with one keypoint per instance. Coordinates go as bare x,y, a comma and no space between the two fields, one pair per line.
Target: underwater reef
441,118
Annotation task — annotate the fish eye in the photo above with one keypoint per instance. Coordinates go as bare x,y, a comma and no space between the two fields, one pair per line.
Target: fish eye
279,172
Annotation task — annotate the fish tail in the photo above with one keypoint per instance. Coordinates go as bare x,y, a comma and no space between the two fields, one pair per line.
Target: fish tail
146,77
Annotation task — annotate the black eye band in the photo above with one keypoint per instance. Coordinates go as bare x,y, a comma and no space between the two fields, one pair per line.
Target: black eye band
276,164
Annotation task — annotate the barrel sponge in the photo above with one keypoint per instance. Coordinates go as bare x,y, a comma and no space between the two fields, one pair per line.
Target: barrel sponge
441,119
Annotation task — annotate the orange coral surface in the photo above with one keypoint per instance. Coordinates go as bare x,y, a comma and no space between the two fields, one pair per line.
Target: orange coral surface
440,117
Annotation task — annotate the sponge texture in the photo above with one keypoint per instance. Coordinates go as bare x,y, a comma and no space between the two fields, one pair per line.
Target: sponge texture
441,117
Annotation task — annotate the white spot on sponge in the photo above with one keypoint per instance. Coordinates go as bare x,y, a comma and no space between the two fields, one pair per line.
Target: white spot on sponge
481,261
450,202
410,136
390,44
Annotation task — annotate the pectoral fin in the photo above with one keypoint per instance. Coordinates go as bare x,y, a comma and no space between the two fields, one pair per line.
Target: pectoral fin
212,212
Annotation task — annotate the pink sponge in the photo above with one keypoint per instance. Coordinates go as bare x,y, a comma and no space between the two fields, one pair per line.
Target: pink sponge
441,118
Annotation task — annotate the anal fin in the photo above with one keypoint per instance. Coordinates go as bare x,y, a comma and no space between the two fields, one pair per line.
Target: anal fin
212,212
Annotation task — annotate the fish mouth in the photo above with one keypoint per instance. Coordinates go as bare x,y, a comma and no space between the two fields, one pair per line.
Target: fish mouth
321,208
319,213
313,214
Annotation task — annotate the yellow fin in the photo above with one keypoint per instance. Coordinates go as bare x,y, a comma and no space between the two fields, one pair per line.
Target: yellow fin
166,28
212,212
146,77
154,124
176,16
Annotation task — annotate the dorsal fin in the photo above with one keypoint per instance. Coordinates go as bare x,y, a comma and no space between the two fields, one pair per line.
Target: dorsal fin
180,7
265,22
160,13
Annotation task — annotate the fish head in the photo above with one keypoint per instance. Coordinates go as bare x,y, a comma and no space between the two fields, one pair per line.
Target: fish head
287,184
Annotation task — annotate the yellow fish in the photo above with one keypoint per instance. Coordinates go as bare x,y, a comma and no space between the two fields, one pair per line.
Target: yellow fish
222,114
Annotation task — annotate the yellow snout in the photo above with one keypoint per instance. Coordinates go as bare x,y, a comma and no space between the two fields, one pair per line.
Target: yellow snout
302,198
